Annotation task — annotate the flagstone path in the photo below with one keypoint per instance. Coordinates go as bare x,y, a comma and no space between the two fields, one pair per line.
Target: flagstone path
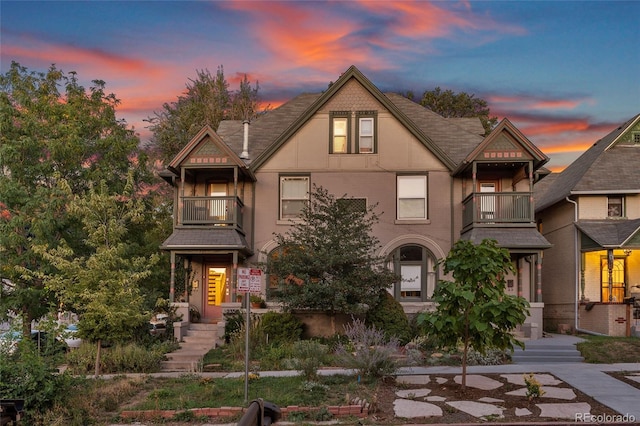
420,401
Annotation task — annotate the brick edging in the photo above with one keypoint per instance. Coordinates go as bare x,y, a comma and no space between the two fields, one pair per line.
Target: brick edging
336,410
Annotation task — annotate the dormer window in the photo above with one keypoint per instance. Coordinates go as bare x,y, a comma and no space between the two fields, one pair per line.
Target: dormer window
615,206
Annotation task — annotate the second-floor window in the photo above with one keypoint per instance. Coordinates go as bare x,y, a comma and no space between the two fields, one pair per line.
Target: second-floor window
412,197
294,195
615,206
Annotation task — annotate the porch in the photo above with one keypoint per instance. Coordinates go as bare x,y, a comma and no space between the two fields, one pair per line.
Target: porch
217,211
612,319
497,208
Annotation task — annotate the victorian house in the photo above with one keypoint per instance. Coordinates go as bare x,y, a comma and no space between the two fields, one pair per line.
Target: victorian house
435,180
591,214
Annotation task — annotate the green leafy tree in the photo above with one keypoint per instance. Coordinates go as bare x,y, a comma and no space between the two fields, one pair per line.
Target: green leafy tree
449,104
52,130
102,286
206,101
327,260
474,308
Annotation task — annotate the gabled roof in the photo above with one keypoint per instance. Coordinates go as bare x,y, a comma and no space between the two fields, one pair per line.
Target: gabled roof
206,135
276,127
610,233
606,167
506,127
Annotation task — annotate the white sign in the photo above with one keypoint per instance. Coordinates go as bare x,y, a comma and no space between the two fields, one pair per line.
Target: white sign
249,279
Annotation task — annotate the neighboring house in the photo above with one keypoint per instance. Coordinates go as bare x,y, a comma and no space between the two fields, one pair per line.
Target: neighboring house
435,180
591,214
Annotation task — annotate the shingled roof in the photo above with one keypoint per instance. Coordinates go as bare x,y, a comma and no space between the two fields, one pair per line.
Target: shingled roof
449,139
607,167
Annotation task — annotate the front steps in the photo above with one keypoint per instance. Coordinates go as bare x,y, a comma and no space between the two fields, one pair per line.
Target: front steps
552,349
199,340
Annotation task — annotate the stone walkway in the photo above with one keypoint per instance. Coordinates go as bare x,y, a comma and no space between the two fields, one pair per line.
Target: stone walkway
415,403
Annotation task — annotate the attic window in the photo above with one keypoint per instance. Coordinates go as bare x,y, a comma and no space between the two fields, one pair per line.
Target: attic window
340,132
635,138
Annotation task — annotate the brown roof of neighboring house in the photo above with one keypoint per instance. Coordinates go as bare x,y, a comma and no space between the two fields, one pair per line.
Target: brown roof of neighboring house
602,168
609,233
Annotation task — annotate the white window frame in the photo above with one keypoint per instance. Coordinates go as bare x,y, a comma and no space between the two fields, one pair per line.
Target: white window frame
369,147
416,192
298,197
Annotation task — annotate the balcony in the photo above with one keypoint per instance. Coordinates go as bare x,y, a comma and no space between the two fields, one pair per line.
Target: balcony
218,211
497,208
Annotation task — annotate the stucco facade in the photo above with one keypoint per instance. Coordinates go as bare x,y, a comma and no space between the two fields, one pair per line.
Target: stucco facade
461,185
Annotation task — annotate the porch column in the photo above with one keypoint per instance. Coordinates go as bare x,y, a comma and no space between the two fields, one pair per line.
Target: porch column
539,277
610,272
172,279
520,260
234,278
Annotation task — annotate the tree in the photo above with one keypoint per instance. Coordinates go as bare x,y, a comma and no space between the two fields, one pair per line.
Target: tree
207,101
450,104
52,130
327,260
102,286
474,308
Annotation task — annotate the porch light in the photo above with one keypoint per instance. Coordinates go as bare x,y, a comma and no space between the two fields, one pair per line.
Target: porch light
627,252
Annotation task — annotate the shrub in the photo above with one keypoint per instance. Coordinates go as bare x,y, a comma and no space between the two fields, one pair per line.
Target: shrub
27,376
369,352
281,327
128,358
233,324
388,315
490,356
308,356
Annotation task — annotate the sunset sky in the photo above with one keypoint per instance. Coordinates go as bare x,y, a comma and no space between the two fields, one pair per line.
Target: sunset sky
565,72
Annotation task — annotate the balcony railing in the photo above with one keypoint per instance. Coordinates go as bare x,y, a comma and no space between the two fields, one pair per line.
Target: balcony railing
211,211
497,208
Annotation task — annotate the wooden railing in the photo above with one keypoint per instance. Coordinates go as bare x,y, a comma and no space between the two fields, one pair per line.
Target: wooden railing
498,208
211,211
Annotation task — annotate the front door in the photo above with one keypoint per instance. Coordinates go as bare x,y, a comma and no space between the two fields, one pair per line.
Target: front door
487,202
617,291
214,294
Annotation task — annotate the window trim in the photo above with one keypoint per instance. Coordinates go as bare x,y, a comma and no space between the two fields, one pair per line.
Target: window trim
281,179
425,176
373,116
339,115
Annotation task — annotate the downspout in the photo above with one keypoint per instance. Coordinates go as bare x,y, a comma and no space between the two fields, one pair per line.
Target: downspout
577,278
453,216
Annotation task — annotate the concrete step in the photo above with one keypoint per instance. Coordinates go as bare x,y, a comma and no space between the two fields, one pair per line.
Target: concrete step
200,339
546,354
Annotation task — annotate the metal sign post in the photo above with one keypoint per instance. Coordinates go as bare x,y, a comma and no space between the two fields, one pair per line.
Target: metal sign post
249,281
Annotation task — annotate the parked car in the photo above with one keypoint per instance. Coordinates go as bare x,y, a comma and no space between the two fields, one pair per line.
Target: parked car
70,336
157,327
10,340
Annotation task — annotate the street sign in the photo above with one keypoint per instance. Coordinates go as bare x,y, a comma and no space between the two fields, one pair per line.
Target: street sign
249,279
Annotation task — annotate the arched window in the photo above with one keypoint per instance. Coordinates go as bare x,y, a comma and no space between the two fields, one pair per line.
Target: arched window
415,264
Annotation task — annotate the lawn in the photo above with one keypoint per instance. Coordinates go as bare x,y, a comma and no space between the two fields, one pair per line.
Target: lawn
609,350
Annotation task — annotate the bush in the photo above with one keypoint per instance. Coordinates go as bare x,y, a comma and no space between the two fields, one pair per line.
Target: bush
27,375
281,327
368,351
233,323
388,315
128,358
308,356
